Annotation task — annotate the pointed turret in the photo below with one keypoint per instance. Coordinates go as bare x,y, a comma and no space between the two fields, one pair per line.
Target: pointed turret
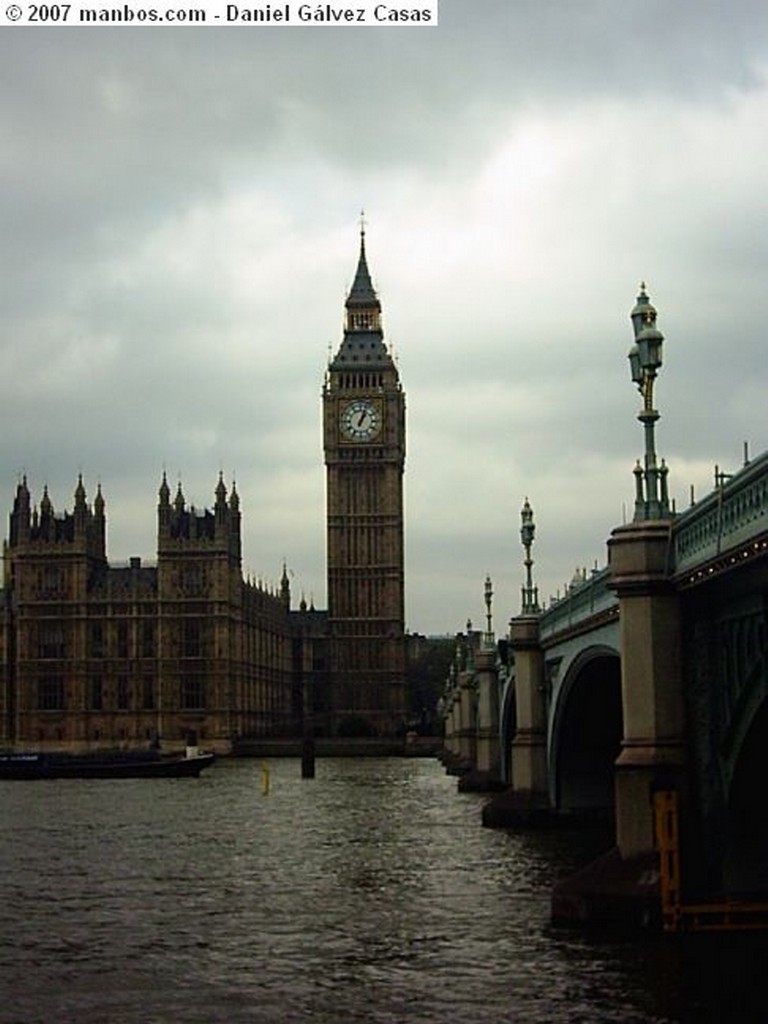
22,493
80,493
163,508
20,516
81,508
362,348
221,509
362,305
285,588
164,493
100,523
47,526
221,494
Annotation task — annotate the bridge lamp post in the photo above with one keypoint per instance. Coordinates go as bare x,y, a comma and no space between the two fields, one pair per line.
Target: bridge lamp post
489,638
651,499
527,533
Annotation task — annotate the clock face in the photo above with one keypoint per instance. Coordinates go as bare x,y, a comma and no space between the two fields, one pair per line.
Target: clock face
360,420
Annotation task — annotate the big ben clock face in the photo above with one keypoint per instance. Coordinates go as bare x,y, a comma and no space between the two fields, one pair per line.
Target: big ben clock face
360,420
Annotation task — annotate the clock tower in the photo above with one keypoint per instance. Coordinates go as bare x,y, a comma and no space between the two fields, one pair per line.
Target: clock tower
364,443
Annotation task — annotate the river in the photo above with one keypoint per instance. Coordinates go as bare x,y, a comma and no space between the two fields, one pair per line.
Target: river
369,894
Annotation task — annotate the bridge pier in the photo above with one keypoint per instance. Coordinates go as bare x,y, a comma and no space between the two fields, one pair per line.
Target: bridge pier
623,887
652,750
485,774
467,720
451,755
529,746
527,799
460,741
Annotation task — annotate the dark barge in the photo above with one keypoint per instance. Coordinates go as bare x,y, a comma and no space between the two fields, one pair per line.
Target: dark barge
109,765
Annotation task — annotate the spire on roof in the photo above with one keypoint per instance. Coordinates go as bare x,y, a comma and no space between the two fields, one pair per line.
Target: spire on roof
22,492
80,492
46,506
164,492
362,293
221,492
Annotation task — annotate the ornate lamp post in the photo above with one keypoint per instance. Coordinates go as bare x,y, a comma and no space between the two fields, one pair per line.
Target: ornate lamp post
651,498
527,532
488,613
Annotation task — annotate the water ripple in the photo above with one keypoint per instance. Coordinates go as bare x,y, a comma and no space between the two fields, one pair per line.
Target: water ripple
370,894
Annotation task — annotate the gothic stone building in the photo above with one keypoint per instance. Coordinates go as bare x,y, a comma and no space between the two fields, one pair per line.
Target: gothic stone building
364,441
97,655
93,654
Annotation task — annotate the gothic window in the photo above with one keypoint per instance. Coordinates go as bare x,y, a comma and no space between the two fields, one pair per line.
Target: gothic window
51,642
51,581
96,693
50,693
148,692
122,693
193,581
148,640
192,643
97,640
192,692
122,640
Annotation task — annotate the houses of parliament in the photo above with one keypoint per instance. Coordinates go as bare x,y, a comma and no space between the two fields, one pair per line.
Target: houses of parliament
96,655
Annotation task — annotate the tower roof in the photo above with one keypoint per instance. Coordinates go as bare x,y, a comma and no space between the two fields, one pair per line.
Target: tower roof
363,344
362,294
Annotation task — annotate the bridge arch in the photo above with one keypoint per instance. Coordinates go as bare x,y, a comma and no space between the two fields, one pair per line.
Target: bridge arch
745,869
586,731
507,727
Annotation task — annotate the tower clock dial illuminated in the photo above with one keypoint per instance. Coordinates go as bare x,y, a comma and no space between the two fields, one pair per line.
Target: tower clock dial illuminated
361,420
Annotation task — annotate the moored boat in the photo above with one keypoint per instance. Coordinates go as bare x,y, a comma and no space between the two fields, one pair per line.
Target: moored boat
105,765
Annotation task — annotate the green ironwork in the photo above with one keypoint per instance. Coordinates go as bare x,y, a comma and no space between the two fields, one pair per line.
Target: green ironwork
651,495
732,517
530,604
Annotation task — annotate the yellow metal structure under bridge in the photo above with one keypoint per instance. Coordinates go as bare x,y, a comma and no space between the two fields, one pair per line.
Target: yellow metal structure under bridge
729,915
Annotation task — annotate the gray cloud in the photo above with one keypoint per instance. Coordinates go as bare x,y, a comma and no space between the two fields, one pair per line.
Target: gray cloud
178,213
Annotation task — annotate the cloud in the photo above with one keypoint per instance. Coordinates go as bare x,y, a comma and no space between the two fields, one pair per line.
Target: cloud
179,213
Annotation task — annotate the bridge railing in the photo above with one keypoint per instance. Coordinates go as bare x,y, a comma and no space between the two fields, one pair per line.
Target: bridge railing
735,512
583,600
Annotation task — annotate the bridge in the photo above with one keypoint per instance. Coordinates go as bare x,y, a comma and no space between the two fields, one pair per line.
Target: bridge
649,675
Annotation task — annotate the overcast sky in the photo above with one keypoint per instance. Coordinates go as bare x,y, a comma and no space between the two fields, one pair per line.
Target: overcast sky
179,221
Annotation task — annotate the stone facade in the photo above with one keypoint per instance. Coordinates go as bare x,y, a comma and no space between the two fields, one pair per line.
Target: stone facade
364,441
93,655
100,655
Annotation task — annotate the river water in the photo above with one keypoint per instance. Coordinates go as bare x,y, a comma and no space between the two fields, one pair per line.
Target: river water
369,894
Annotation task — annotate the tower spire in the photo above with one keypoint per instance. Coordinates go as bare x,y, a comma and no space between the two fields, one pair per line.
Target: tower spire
362,305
